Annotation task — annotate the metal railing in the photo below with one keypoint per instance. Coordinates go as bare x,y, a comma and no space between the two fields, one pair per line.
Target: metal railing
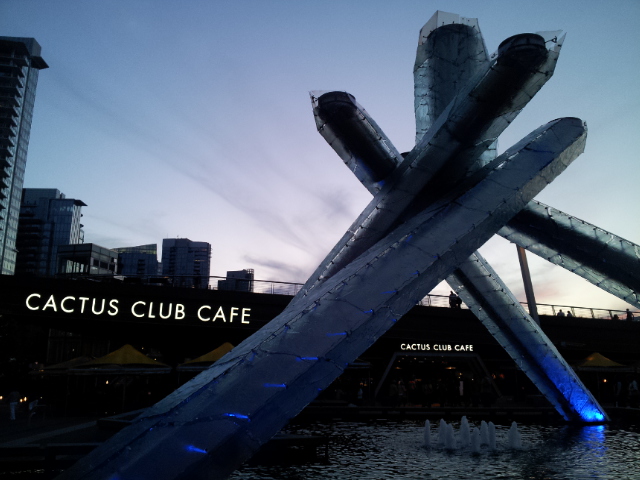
273,287
286,288
582,312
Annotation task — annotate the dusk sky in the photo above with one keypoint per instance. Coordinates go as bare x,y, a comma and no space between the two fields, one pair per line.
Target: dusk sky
193,119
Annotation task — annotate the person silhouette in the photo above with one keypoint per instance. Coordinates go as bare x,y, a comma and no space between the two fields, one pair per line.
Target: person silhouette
452,299
14,399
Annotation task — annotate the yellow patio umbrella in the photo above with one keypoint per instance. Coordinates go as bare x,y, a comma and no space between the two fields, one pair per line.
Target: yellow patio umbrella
125,360
205,361
596,360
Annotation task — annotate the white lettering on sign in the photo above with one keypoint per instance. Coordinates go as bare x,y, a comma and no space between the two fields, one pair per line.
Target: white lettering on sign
220,314
62,307
28,302
415,346
71,304
200,317
427,347
442,348
204,314
141,310
463,348
50,304
133,310
84,301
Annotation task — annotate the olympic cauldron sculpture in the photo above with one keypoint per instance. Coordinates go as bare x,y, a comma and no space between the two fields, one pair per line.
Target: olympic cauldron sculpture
431,209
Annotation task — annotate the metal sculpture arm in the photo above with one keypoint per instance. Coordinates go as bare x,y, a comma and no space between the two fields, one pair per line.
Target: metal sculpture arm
356,138
486,295
450,53
604,259
446,154
209,426
429,214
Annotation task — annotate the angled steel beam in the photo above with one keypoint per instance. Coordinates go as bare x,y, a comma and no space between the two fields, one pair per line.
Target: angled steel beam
604,259
480,287
528,285
451,51
448,56
429,214
488,297
449,151
356,138
210,425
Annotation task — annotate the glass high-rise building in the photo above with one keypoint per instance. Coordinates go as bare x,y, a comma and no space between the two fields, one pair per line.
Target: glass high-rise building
48,220
238,280
82,259
187,263
138,261
20,63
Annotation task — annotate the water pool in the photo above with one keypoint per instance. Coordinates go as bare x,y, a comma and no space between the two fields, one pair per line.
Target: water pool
396,450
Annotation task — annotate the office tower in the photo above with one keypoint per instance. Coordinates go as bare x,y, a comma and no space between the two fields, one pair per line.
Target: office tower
86,259
20,63
47,221
185,262
141,260
239,281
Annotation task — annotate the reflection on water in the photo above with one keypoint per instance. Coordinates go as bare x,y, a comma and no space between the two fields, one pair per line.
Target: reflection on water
395,450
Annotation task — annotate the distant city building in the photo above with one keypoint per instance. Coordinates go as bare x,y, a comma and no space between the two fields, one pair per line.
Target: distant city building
239,281
187,263
139,261
48,220
20,63
86,259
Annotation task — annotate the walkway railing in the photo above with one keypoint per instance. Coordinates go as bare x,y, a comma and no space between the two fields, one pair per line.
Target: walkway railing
288,288
285,288
582,312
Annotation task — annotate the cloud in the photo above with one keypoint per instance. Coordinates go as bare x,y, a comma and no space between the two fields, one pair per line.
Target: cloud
121,233
278,269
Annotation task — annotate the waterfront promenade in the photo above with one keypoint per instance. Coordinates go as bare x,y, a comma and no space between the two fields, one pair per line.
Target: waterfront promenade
48,444
58,435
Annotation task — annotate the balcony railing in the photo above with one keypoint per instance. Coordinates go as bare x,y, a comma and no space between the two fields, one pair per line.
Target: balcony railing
273,287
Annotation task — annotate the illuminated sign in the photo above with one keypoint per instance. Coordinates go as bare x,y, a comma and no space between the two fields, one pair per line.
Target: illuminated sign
71,304
435,347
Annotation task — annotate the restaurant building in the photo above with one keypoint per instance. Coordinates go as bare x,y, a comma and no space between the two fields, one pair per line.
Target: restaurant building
436,354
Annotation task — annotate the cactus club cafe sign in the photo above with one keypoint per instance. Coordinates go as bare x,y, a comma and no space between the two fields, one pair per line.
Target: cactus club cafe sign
435,347
142,309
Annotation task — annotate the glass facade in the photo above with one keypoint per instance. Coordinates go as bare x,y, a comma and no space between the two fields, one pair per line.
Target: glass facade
48,220
86,259
187,263
239,281
139,261
20,62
